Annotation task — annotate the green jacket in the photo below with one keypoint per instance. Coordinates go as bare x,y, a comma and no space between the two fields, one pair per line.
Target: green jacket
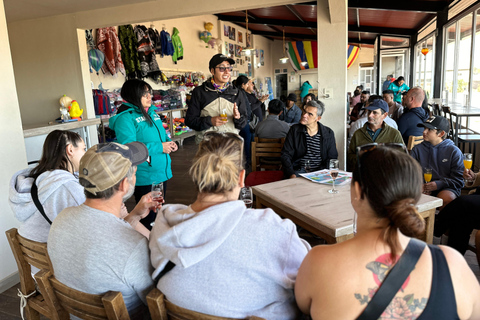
361,137
130,125
177,45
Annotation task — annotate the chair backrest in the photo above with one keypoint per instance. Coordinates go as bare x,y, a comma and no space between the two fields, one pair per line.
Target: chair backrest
413,141
67,300
29,253
266,153
162,309
436,109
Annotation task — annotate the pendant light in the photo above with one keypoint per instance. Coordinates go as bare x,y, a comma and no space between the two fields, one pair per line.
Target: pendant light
247,51
283,59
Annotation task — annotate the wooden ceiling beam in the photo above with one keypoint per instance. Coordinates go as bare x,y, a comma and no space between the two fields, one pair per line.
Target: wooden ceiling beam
418,5
268,22
392,31
363,41
287,35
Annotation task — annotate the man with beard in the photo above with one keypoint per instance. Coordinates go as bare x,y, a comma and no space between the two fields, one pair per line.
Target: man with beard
91,247
375,130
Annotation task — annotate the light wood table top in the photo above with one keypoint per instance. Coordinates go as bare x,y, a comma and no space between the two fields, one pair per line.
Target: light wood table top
327,215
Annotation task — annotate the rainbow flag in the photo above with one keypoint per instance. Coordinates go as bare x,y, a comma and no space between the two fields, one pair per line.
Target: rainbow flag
299,51
352,55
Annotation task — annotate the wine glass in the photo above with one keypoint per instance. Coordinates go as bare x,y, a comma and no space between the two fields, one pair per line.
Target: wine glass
157,192
427,175
333,166
246,195
467,160
307,167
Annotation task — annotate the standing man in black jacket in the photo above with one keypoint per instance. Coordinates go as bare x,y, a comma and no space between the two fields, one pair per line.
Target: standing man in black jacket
309,145
213,97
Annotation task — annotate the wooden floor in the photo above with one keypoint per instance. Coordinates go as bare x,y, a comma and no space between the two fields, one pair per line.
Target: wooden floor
179,190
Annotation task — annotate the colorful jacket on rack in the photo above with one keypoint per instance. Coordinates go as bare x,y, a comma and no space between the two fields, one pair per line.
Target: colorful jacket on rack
129,52
146,54
155,38
207,102
108,43
130,125
177,45
167,46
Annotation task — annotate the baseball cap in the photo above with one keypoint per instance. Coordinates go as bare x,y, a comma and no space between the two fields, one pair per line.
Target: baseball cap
292,97
378,104
106,164
219,58
437,123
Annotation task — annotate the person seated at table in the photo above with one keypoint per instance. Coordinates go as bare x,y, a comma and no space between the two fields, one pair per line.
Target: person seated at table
344,281
414,114
443,157
374,130
358,110
309,145
460,216
395,109
355,99
354,126
227,260
271,127
292,112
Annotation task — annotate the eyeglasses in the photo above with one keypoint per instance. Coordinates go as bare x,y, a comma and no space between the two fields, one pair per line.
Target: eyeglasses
372,146
146,93
212,134
223,69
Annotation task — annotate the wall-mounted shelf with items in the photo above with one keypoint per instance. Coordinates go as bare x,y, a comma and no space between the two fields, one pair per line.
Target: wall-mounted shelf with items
183,135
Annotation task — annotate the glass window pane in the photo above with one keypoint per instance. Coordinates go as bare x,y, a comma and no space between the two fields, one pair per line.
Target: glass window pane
449,60
463,71
475,94
393,42
429,66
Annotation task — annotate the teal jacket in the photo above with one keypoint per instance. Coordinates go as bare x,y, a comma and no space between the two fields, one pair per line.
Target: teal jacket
130,125
397,90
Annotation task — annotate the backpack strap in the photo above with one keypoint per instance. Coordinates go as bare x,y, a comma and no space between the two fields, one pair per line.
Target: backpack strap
34,192
394,280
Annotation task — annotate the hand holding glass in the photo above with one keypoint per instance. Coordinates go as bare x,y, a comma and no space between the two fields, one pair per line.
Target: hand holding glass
246,195
467,160
427,175
333,166
157,192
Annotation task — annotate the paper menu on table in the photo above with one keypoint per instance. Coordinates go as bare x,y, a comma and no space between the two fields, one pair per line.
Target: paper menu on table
323,176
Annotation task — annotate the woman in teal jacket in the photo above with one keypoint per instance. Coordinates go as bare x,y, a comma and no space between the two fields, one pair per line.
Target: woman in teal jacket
136,120
398,86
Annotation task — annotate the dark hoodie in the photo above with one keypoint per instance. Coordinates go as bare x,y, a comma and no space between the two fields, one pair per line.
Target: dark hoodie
407,124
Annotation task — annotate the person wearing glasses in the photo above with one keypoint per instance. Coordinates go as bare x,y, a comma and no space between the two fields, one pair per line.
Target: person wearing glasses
217,105
443,157
374,130
224,259
136,120
383,273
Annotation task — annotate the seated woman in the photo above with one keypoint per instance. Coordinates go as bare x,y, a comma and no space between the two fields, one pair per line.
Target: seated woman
340,281
228,260
58,188
461,216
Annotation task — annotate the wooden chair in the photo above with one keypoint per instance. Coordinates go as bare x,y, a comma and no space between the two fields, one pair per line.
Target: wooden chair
66,300
29,253
162,309
266,153
413,141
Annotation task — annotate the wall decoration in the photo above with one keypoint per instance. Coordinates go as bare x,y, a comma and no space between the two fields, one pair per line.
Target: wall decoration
232,33
231,50
257,52
226,31
248,40
238,50
226,48
240,37
249,69
237,61
262,62
299,51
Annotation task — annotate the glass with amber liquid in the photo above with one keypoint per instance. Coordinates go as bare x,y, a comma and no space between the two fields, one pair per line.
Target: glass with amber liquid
224,115
427,175
467,160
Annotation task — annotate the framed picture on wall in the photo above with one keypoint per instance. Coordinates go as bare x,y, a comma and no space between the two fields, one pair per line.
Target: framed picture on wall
231,50
248,39
226,48
262,62
240,37
226,32
238,50
232,34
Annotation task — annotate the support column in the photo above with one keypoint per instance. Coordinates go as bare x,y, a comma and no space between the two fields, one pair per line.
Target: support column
442,19
332,67
413,42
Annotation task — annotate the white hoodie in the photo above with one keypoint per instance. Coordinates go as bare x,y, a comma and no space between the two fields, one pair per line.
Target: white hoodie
57,190
229,261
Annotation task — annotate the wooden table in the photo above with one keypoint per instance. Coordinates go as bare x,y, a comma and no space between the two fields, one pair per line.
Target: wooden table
330,216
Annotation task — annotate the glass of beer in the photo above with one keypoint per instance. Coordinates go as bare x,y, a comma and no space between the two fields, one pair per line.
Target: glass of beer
467,160
427,175
223,115
333,166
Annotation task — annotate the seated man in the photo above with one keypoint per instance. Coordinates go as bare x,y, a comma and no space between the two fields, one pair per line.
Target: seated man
91,248
308,142
443,157
354,126
374,130
395,109
271,127
359,109
292,112
414,115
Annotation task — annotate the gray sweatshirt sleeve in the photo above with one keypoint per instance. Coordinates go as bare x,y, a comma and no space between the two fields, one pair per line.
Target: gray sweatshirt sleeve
138,271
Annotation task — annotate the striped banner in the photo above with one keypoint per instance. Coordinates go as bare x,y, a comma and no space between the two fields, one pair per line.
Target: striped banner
299,51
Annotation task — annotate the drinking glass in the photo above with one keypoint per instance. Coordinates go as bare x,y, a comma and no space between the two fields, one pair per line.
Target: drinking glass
307,166
246,195
333,166
224,115
427,175
467,160
157,192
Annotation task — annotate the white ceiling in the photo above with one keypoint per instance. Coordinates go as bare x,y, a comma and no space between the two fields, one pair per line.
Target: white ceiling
17,10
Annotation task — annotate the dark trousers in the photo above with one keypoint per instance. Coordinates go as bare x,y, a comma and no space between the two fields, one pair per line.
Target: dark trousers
460,217
247,136
140,191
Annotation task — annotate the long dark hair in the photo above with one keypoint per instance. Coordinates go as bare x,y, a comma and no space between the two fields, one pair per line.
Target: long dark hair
54,153
392,183
132,92
241,80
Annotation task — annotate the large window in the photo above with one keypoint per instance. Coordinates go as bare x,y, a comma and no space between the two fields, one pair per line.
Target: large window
461,82
424,64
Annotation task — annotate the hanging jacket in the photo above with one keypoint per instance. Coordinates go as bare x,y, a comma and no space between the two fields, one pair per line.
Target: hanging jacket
156,41
129,51
167,46
177,45
146,54
109,44
130,125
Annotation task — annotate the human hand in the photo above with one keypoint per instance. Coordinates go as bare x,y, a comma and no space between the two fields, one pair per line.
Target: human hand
263,98
429,187
236,114
469,175
169,146
217,121
123,211
174,146
293,176
145,205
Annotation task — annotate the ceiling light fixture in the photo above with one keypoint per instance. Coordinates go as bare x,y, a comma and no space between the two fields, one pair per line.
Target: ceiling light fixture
283,59
247,51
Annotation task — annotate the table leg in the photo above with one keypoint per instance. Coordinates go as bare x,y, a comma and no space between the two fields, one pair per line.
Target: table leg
429,217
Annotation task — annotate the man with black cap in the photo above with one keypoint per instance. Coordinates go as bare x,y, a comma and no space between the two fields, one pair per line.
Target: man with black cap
443,157
375,130
217,105
91,247
292,112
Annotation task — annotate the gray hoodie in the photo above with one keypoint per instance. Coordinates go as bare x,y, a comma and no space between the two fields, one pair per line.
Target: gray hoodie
229,261
57,190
